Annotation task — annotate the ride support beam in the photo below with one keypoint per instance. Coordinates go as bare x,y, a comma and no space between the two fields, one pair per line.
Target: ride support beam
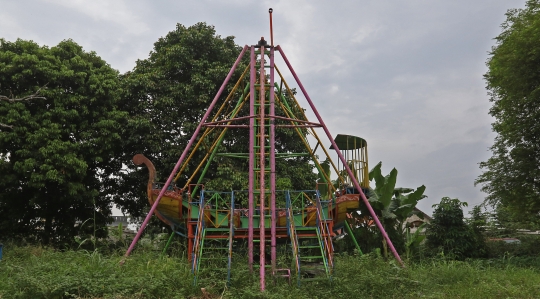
184,153
272,164
251,180
347,168
262,158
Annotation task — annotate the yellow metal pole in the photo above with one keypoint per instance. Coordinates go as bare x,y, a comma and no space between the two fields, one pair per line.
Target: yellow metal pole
214,144
312,154
208,130
312,130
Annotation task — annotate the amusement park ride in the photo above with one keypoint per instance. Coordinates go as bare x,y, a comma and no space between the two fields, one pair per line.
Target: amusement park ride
304,222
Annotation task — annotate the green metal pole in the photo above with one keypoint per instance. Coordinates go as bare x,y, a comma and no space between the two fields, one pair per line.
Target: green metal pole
349,230
168,243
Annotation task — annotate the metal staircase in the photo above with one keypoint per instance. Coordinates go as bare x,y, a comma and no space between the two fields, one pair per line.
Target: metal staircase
212,242
311,245
325,236
198,243
291,230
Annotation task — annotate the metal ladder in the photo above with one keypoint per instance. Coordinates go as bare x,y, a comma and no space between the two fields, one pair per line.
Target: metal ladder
215,236
291,230
198,242
325,237
311,244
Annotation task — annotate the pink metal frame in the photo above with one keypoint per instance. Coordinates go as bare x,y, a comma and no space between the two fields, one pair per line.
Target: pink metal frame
251,158
263,141
272,164
345,164
262,187
184,153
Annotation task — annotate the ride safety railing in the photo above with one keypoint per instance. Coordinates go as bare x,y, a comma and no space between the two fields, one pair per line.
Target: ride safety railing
325,236
199,235
303,202
218,208
291,228
231,238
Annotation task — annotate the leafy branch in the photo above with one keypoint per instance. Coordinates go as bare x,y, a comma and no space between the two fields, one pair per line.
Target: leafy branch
12,99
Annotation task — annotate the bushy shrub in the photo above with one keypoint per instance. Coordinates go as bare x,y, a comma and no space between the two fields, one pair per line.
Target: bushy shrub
36,272
367,238
526,247
448,233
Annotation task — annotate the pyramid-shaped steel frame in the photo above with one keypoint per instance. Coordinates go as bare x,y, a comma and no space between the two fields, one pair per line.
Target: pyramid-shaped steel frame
262,50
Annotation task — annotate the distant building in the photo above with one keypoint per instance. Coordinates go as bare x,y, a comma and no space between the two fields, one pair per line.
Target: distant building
117,220
416,220
126,222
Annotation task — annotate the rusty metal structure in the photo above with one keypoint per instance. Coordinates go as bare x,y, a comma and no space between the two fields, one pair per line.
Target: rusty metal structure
214,222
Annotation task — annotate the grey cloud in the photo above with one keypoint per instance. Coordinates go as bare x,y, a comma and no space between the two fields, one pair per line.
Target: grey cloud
405,75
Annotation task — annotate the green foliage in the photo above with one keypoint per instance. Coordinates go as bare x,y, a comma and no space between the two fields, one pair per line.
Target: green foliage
75,274
477,223
324,189
511,177
166,96
35,272
392,205
368,238
448,234
527,247
58,158
503,223
168,93
413,240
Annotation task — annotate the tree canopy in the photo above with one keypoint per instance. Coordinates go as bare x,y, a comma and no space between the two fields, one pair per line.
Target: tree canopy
449,234
65,152
57,158
166,96
511,177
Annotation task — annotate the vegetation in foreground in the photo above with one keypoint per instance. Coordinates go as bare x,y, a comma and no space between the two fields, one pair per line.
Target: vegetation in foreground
36,272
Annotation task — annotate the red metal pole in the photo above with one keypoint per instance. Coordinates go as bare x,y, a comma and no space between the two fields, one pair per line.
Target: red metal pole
340,155
184,153
190,241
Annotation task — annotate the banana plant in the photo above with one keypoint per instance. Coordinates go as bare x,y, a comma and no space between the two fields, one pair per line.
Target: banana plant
393,205
413,240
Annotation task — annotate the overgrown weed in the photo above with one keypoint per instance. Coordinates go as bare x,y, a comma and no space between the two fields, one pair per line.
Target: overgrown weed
36,272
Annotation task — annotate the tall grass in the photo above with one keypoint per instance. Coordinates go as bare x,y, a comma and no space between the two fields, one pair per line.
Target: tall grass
35,272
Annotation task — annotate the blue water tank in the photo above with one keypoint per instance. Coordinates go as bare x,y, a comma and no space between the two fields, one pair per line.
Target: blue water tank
1,251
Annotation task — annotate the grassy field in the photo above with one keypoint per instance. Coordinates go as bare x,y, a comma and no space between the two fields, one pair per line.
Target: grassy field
35,272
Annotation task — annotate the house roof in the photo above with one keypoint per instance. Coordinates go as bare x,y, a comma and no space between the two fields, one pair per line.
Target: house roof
426,216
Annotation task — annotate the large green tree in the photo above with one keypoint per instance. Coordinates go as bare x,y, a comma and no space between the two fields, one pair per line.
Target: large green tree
58,153
511,177
166,96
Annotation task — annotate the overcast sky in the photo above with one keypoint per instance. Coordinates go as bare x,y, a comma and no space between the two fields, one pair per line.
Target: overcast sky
404,75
